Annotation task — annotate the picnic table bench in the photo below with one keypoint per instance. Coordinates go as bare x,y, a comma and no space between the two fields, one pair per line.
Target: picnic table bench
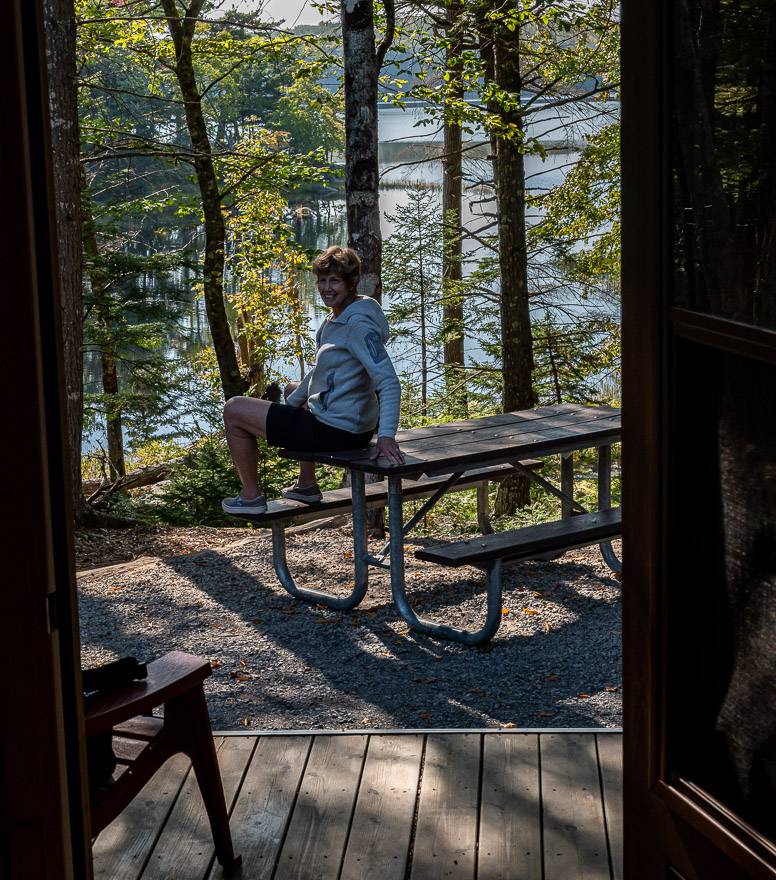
449,457
339,501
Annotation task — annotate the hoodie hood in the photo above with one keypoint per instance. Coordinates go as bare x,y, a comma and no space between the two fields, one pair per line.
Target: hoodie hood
368,310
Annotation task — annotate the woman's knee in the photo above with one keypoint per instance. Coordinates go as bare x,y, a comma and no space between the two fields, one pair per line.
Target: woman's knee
289,390
246,414
233,408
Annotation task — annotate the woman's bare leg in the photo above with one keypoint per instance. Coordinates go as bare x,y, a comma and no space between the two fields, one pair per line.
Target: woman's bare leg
245,419
306,468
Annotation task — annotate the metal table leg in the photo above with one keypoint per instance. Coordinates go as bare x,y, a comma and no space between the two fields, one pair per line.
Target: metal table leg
398,586
605,503
341,603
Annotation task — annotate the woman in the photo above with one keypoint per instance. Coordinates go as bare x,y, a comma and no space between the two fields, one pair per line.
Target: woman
351,390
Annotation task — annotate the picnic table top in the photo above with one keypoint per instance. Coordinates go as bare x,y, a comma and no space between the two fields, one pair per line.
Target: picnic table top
490,440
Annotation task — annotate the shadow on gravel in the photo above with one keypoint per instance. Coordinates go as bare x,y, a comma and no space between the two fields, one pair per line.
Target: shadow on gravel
320,668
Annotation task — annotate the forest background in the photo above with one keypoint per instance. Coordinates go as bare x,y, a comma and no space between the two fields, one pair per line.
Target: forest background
205,153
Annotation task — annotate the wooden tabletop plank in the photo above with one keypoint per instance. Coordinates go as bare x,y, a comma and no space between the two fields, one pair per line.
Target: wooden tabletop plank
446,834
511,423
122,849
510,811
533,421
610,762
263,809
574,832
185,847
476,447
382,823
320,823
567,413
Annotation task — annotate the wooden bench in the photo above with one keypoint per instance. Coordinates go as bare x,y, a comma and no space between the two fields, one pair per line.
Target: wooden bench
338,501
491,551
142,743
565,534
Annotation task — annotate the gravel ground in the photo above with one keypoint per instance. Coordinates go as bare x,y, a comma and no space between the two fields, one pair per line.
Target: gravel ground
282,664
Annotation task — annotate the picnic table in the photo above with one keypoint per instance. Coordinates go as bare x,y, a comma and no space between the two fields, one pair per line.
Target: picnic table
449,457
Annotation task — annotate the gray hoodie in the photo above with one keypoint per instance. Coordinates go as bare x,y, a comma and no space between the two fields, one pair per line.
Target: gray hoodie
351,365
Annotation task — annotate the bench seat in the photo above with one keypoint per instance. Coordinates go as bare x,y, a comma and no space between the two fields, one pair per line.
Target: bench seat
338,501
576,531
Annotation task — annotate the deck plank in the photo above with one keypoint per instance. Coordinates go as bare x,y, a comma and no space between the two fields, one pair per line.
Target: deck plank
185,847
382,822
300,796
574,832
263,809
315,843
610,762
122,848
510,813
446,836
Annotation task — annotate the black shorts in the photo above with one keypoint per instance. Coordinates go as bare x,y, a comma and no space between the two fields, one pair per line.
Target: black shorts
292,428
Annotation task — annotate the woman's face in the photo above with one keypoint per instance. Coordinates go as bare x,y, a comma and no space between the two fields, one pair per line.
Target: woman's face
335,292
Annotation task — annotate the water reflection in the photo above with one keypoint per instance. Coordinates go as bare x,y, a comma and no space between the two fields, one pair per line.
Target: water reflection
409,157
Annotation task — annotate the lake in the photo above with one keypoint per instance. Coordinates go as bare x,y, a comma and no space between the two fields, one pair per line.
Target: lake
409,152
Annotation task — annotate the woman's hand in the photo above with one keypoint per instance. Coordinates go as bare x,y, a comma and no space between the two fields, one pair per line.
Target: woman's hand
388,448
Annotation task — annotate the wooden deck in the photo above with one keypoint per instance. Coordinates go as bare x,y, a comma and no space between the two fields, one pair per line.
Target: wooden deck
384,806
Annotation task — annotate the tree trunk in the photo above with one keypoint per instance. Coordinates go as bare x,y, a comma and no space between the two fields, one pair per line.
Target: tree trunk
362,62
59,21
182,32
452,252
361,168
110,387
501,52
110,378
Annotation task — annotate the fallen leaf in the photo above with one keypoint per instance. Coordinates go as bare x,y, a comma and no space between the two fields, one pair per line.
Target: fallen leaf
552,677
530,611
245,721
508,724
366,721
583,696
348,554
505,611
546,714
612,688
215,664
538,595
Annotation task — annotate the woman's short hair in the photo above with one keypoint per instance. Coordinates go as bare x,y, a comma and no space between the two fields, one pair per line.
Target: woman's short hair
336,260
